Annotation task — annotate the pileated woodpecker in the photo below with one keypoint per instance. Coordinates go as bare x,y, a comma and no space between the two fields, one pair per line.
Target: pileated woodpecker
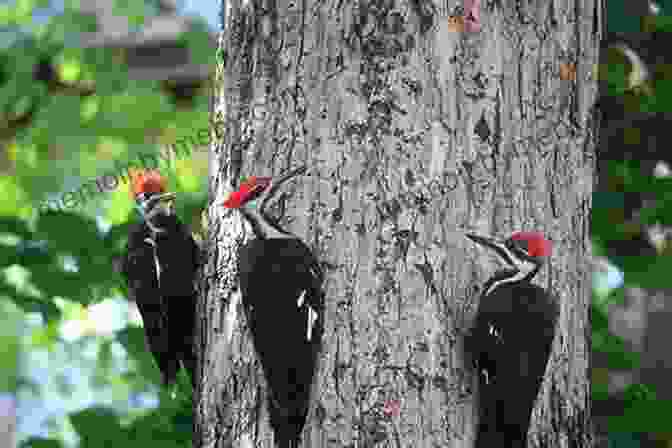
281,286
159,267
511,340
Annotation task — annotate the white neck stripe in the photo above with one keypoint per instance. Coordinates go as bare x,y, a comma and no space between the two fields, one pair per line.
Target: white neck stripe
523,269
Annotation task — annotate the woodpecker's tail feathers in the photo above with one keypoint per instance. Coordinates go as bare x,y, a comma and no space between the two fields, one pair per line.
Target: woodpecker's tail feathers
495,439
168,366
286,424
494,434
286,441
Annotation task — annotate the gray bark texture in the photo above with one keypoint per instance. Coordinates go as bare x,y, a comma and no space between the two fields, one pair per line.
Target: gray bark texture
414,134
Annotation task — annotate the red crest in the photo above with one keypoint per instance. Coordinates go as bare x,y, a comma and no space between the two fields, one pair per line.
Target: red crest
146,181
247,189
537,245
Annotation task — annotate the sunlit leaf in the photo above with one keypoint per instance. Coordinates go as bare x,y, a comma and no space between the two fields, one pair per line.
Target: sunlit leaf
70,70
90,107
13,200
45,336
120,206
6,15
30,304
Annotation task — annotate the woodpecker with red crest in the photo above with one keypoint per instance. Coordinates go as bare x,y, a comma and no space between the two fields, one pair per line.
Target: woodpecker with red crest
511,340
159,266
281,286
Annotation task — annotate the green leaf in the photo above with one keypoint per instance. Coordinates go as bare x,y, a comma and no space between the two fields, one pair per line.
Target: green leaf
197,40
26,254
642,413
13,201
15,226
618,357
599,391
169,426
30,304
45,336
622,439
98,427
103,364
132,338
598,318
116,236
616,297
135,11
40,442
57,282
70,233
638,392
11,345
618,21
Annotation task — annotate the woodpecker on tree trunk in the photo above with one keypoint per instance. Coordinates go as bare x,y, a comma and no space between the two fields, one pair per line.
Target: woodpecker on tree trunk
511,340
281,286
159,267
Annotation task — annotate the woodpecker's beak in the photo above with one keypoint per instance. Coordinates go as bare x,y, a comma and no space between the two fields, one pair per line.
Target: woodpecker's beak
492,243
158,204
161,202
290,174
277,182
499,246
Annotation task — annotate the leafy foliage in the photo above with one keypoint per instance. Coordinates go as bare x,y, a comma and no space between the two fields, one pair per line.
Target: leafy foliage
631,200
40,442
48,131
68,117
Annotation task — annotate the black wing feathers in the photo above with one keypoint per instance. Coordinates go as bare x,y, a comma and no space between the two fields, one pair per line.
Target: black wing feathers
167,302
510,344
281,284
139,270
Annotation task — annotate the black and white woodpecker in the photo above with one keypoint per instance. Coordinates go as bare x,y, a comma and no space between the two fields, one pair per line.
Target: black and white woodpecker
511,340
281,286
159,266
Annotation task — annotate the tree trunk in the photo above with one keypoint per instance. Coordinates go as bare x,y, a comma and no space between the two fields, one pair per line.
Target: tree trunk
415,133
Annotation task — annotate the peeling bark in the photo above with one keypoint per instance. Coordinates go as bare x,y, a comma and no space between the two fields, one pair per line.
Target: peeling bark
415,134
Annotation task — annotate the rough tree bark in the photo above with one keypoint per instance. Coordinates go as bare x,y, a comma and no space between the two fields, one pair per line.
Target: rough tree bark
415,133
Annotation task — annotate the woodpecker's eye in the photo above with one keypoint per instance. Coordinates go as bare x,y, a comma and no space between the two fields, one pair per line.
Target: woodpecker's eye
522,244
519,246
256,191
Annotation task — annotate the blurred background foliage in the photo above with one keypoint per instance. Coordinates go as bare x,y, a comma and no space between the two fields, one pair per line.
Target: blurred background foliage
631,221
73,353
